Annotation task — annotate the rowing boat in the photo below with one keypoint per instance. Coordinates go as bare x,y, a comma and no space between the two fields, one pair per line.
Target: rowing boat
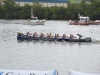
24,37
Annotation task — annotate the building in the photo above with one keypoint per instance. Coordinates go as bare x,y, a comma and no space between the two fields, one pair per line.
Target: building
1,2
45,3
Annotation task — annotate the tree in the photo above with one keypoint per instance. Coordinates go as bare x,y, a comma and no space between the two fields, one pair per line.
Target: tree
37,8
9,8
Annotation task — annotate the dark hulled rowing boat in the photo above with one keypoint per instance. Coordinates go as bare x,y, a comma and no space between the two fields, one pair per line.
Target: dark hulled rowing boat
24,37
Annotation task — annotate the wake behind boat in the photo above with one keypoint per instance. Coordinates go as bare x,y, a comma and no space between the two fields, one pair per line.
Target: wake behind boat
42,37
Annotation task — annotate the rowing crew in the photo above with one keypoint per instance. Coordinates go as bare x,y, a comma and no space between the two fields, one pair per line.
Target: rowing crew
47,36
35,35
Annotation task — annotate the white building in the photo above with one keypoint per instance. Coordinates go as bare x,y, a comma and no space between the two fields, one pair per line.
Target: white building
44,4
1,2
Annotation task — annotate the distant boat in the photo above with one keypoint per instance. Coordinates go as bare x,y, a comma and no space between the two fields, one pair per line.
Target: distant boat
84,21
34,20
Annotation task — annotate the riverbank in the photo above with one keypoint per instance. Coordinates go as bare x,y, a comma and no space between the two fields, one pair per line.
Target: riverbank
61,11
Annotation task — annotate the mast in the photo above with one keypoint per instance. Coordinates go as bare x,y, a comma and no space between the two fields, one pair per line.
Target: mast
79,14
32,16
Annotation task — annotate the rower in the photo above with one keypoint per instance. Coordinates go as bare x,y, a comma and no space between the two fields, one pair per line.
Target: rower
80,36
35,34
66,37
41,36
27,34
50,35
63,37
20,33
72,36
58,36
55,37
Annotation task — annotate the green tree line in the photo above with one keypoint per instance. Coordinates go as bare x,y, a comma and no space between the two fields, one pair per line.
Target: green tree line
11,10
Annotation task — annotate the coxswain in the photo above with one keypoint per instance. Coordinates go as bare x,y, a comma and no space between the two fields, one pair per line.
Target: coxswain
80,36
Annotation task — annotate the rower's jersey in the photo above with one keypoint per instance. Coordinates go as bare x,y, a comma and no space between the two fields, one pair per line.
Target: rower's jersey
41,36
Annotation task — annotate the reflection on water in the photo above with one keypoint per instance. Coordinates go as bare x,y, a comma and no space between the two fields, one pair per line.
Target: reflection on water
46,55
56,42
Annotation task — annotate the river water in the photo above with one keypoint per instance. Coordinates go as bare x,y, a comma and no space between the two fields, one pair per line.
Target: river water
45,55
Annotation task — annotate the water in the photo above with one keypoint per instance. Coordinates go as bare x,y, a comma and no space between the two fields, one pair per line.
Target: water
45,55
